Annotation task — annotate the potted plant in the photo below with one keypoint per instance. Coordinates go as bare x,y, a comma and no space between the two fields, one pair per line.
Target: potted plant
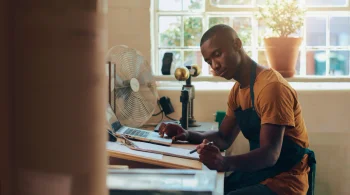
283,18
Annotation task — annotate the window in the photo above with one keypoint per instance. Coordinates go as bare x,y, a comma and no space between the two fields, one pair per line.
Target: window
179,25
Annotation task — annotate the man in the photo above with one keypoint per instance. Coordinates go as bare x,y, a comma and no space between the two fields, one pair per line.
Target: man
265,108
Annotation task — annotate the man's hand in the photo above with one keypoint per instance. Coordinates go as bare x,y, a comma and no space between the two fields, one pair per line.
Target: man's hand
176,132
210,155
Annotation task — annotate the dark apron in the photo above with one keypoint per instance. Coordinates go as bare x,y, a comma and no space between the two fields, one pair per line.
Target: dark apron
291,153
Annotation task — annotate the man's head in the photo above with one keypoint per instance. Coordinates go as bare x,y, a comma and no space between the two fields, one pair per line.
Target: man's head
222,50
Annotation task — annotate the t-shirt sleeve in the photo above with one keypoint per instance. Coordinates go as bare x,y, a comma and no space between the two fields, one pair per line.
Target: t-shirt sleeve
275,103
231,102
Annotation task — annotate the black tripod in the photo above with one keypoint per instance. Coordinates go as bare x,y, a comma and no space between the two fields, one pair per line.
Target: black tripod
186,98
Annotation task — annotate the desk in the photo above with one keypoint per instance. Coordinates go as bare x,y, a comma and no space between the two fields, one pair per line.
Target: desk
132,161
165,162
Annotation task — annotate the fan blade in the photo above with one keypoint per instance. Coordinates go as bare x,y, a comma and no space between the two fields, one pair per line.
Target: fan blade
144,70
124,103
146,79
148,87
127,60
148,93
137,110
145,108
123,93
119,82
122,87
139,64
117,56
122,58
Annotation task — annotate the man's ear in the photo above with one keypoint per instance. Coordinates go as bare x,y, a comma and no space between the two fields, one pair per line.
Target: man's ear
237,44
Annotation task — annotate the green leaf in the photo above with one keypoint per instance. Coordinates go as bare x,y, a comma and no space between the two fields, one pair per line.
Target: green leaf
283,17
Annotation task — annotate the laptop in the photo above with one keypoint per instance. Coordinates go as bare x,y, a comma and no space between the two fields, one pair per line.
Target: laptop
133,133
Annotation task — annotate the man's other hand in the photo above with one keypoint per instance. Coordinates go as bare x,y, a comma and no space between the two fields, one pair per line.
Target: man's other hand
176,132
210,155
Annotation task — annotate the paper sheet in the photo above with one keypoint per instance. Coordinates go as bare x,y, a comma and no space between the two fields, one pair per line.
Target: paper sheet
115,146
166,150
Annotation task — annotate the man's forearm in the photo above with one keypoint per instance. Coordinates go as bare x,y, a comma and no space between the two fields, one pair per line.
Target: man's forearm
215,136
222,139
252,161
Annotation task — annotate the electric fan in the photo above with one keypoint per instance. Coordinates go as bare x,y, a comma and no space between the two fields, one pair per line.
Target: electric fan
135,92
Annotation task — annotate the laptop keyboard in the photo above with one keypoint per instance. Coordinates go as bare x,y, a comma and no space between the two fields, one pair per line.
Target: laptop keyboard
136,132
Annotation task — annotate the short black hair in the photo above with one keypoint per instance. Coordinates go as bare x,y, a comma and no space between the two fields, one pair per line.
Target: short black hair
214,29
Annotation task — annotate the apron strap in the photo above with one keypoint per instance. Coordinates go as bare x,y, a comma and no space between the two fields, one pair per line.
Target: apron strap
252,80
312,173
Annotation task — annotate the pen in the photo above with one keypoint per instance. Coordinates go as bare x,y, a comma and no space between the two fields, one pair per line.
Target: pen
209,143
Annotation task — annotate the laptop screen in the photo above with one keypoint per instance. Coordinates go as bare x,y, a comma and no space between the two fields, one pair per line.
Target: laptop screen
112,121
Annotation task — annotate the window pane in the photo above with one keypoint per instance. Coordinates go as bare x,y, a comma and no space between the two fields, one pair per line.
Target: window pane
231,2
325,2
193,57
218,20
315,31
262,60
262,30
340,31
170,5
263,2
249,52
210,70
169,31
243,26
260,2
297,66
339,63
193,30
316,62
193,5
175,63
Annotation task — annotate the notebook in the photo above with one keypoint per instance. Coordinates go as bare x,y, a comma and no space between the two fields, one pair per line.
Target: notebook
169,151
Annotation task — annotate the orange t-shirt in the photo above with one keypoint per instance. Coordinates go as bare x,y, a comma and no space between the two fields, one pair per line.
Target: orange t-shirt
276,102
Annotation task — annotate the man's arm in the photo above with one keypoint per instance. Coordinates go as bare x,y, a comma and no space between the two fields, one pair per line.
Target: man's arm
223,138
271,138
276,107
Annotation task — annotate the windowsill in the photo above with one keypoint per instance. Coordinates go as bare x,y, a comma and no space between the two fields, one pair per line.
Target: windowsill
204,83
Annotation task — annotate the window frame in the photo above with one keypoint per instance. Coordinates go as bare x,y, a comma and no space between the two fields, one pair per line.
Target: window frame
247,11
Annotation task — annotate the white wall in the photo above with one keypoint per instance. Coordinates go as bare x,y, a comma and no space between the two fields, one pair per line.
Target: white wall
326,112
129,24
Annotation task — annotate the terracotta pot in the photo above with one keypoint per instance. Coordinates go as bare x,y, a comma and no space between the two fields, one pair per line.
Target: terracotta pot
282,54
